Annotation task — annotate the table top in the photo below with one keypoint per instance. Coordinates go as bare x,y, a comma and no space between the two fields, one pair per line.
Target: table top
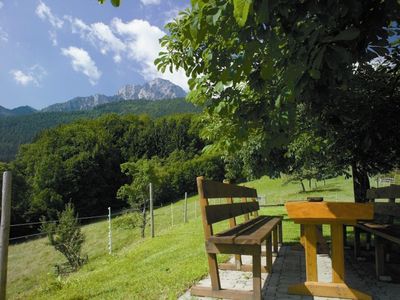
329,212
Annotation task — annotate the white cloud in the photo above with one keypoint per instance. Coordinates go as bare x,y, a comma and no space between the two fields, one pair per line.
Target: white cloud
3,35
33,75
136,40
149,2
44,13
1,4
53,37
82,62
100,35
142,41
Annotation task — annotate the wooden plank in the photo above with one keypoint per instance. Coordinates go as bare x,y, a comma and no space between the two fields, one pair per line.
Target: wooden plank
232,224
386,192
246,216
213,270
280,233
202,291
268,253
228,236
275,239
392,233
310,247
220,212
329,211
232,249
255,213
356,242
214,189
337,253
203,201
255,236
326,289
257,276
379,257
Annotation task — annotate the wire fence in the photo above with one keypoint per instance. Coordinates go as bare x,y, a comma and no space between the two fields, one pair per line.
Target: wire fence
165,217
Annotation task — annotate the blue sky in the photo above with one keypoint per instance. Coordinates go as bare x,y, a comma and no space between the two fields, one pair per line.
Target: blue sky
52,50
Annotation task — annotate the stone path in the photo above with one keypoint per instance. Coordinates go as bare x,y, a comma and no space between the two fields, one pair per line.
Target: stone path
289,268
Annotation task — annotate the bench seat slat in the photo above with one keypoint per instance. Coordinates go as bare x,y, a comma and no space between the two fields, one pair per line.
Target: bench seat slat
391,233
253,232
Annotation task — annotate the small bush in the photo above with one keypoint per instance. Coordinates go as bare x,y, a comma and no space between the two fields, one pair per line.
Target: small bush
128,221
67,238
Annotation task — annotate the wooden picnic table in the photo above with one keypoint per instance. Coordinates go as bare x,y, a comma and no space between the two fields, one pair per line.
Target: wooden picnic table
336,214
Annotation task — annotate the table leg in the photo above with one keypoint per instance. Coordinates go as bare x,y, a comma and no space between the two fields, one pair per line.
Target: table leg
310,247
337,253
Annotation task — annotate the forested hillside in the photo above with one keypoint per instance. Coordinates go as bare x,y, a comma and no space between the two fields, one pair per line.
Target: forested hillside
81,163
17,130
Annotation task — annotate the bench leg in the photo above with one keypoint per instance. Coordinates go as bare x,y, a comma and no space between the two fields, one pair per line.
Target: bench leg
280,233
257,276
356,242
238,262
379,257
268,253
368,241
275,240
214,274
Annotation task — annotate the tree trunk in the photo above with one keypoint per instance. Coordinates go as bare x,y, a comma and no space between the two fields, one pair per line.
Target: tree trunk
360,183
309,184
302,185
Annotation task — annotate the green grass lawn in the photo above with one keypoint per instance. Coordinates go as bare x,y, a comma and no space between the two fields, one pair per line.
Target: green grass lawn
159,268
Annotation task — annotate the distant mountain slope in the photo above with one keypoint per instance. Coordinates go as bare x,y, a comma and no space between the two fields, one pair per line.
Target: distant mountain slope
19,111
157,89
17,130
81,103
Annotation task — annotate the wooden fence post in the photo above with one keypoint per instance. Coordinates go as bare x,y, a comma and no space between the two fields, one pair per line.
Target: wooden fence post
151,210
5,230
109,232
185,215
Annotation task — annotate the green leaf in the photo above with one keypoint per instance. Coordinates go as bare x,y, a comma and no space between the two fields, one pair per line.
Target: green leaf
347,35
241,9
115,2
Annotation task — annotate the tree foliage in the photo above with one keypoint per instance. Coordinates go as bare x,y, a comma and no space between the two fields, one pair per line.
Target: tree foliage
80,163
252,63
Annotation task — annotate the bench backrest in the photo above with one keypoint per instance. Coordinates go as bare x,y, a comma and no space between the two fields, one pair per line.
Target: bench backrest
215,213
388,192
385,212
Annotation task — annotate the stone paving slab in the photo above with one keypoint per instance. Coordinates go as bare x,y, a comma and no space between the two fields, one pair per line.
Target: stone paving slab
289,268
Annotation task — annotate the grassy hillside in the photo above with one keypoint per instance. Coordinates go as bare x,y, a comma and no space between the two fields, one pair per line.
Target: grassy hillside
159,268
17,130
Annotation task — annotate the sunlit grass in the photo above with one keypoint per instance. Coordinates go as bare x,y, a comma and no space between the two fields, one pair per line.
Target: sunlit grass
159,268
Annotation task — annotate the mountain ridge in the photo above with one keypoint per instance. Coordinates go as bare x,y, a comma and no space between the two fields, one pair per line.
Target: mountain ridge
156,89
18,111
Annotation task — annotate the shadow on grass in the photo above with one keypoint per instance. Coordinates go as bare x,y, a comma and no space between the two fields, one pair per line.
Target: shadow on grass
321,189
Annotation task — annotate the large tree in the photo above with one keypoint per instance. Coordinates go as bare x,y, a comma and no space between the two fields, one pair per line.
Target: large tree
252,62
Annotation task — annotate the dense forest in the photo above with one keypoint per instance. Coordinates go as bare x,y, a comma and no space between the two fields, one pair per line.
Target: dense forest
81,162
17,130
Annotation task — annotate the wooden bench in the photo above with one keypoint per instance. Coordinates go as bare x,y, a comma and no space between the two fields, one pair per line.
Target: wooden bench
384,228
243,239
